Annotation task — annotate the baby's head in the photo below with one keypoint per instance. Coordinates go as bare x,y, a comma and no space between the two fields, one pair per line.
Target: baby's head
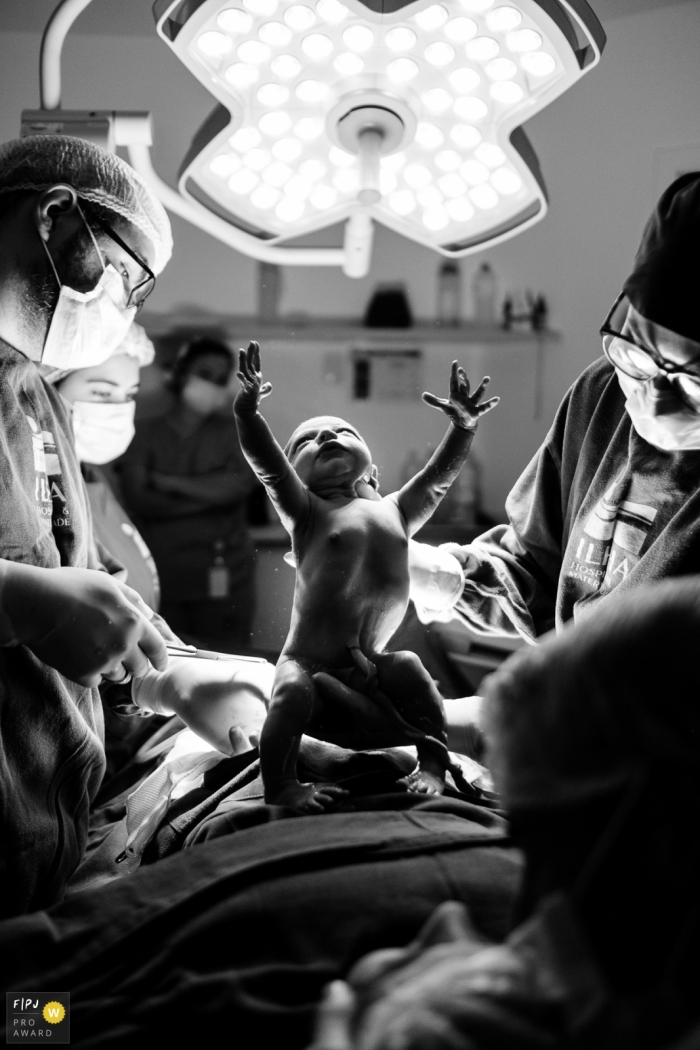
326,449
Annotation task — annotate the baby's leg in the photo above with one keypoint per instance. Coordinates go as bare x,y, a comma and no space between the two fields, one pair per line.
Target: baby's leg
404,679
294,702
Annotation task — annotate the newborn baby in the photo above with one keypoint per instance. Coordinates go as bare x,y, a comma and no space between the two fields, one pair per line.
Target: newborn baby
352,578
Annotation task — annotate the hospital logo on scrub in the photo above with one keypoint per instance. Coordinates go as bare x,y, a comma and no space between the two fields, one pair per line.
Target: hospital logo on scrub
612,539
42,493
38,1018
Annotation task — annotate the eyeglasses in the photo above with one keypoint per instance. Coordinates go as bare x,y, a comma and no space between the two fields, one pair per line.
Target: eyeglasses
141,291
640,363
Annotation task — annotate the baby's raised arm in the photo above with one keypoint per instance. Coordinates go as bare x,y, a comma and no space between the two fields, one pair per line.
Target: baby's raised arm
260,448
421,495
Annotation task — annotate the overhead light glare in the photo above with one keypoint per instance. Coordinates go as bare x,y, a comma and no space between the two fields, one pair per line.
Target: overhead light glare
312,169
437,100
265,197
506,92
286,67
448,160
254,52
241,75
503,19
311,90
482,48
332,11
308,129
286,149
417,176
224,165
464,80
277,173
394,162
346,180
439,53
471,108
452,185
401,70
348,65
459,209
429,136
502,69
477,7
299,17
523,40
485,197
214,44
233,20
340,157
257,159
430,197
272,94
358,38
435,219
261,7
506,181
403,202
538,63
298,188
243,181
431,17
323,197
275,34
490,155
461,29
245,139
473,172
400,39
289,210
275,123
465,136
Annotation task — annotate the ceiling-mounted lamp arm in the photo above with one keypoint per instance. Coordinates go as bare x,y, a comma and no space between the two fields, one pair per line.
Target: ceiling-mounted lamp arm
52,42
357,261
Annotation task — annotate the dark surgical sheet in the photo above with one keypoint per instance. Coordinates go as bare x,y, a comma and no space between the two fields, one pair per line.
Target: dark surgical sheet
238,934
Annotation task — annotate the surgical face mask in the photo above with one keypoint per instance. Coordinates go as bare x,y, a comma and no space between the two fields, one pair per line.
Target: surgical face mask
659,416
103,430
87,327
205,397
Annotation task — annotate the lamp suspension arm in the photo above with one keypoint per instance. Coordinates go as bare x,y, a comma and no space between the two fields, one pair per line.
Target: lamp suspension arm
354,257
52,41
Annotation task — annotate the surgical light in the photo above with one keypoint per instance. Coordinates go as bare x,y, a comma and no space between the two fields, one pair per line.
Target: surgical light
407,114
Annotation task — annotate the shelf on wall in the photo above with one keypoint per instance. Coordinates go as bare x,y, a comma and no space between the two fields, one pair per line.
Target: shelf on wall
331,329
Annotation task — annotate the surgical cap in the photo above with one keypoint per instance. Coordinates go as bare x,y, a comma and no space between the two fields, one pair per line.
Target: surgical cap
604,702
136,344
663,287
98,176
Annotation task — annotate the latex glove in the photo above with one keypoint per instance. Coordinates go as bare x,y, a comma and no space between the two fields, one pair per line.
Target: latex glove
437,581
210,696
79,621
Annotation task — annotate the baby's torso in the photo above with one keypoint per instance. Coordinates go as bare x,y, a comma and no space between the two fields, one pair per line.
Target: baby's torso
352,579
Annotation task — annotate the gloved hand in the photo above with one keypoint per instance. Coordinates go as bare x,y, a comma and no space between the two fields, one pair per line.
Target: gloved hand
82,622
437,580
210,696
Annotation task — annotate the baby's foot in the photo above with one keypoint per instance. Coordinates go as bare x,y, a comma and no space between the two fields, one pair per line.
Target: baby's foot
423,782
307,798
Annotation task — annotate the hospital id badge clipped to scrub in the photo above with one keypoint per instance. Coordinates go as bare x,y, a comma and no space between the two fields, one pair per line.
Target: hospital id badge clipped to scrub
218,576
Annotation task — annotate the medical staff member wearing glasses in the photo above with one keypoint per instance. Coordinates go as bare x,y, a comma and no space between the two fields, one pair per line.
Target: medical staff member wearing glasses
612,499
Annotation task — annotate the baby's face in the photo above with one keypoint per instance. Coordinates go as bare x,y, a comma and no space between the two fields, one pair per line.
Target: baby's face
326,449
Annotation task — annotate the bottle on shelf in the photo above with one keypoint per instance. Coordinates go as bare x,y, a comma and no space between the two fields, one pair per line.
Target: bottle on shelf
484,295
449,294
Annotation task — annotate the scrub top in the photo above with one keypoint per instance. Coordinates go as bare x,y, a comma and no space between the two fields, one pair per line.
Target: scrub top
184,545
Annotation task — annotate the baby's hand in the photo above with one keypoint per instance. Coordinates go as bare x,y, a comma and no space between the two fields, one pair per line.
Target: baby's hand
253,389
463,408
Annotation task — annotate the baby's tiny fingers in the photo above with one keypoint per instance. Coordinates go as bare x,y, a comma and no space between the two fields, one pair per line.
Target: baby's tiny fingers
433,401
488,405
481,387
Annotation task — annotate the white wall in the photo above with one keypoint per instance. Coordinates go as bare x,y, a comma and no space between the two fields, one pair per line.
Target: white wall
597,145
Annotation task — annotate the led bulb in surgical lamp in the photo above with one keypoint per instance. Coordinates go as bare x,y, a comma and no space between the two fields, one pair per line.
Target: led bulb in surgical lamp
407,112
